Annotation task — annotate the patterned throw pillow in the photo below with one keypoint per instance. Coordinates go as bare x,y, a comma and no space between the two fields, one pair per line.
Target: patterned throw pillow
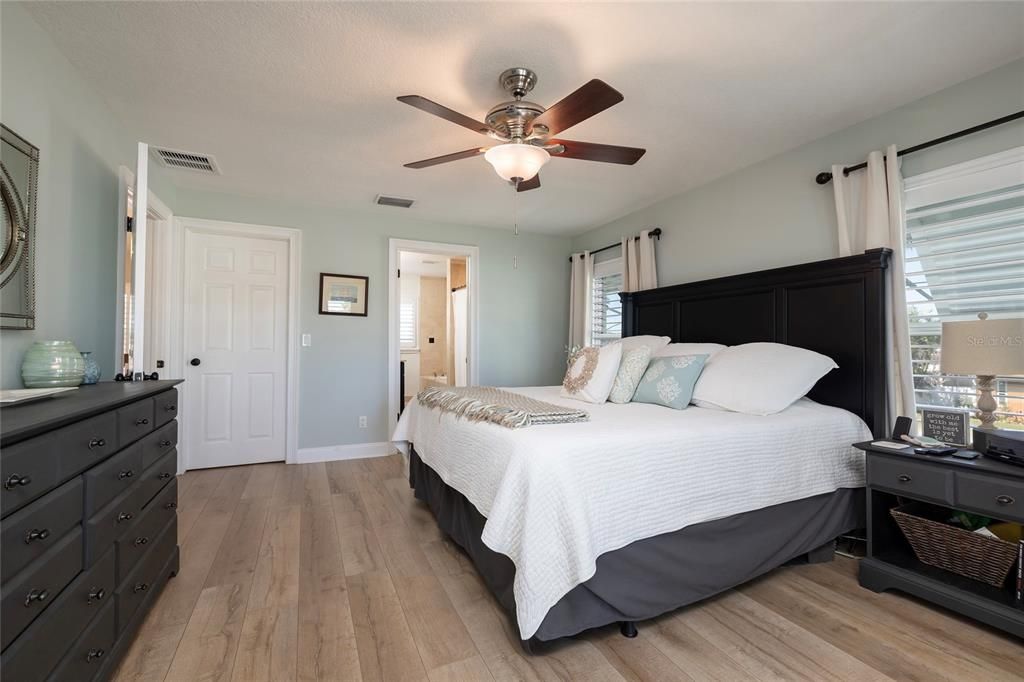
591,373
631,371
669,381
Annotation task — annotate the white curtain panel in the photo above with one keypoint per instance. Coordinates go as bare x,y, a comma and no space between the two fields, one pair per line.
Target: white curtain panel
639,270
869,211
580,278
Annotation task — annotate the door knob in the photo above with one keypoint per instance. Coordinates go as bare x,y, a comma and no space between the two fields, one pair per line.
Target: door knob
194,362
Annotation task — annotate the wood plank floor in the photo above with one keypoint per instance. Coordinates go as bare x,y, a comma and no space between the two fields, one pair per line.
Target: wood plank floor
334,572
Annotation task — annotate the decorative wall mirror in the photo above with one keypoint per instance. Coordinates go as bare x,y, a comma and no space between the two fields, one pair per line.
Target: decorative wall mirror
19,177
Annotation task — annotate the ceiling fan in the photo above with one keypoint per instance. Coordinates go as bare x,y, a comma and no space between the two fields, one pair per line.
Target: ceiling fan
525,130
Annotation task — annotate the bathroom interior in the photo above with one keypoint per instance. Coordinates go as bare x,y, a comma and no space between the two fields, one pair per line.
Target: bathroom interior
432,321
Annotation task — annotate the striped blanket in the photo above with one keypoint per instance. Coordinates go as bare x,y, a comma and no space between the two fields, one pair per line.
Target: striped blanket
484,403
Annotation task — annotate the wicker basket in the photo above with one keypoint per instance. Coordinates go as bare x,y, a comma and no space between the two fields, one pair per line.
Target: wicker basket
954,549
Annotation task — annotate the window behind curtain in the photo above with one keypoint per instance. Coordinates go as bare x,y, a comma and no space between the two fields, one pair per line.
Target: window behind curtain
606,316
965,255
407,325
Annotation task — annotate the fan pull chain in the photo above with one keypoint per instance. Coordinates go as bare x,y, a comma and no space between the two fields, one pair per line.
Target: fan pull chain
515,221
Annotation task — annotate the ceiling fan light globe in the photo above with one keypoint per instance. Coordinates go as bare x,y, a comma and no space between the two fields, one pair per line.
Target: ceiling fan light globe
516,160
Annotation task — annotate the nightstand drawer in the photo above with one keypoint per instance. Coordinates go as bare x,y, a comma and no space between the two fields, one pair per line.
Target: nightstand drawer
914,479
998,497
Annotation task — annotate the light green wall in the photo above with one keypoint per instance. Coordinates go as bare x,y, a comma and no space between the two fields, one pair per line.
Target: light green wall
524,312
773,214
44,100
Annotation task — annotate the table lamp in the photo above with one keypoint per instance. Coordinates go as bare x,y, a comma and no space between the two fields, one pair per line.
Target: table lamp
985,348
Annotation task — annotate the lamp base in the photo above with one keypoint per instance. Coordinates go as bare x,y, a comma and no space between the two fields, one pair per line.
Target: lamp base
986,403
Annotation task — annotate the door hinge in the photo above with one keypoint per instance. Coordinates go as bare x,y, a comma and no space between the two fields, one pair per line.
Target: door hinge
399,273
128,224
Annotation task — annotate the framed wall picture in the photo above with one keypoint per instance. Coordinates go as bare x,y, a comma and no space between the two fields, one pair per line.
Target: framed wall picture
343,294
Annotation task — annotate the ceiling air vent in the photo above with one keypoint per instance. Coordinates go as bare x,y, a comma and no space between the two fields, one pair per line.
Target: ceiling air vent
393,201
190,161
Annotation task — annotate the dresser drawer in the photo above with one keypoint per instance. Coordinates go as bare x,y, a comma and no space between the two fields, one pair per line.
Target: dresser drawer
911,478
103,527
145,576
39,648
90,651
30,532
32,467
999,497
159,443
157,476
165,407
31,591
135,543
108,480
135,421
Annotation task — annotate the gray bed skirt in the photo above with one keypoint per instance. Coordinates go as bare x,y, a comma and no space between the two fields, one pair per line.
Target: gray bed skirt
659,574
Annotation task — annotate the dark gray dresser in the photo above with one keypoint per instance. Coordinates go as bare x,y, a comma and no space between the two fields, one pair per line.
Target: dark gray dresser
88,534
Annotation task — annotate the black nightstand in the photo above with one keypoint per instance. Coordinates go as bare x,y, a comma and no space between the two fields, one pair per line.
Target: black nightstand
982,486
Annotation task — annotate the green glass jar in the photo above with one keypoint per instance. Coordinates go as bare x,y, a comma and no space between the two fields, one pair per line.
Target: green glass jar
49,364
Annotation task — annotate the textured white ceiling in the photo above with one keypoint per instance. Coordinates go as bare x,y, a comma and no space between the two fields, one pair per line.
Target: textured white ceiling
423,264
297,100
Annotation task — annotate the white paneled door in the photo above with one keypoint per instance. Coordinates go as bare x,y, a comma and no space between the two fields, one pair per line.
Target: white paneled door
236,333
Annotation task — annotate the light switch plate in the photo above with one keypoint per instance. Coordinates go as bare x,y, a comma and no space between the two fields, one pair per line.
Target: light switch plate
307,340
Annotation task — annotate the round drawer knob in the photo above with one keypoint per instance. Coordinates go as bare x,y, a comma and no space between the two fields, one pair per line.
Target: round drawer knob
124,516
94,654
96,443
36,595
171,505
1004,499
141,422
127,473
165,443
170,408
141,541
36,534
96,594
14,480
140,587
164,476
903,478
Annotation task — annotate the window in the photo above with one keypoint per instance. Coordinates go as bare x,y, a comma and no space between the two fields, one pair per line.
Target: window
407,337
965,255
606,316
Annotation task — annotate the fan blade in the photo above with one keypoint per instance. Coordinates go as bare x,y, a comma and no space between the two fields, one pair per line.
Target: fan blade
589,151
424,104
465,154
591,99
526,185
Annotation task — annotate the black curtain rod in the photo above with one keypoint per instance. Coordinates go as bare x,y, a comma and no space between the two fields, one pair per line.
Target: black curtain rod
656,232
825,177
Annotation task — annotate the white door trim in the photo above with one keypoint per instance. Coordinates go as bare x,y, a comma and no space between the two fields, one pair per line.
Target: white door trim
470,252
293,237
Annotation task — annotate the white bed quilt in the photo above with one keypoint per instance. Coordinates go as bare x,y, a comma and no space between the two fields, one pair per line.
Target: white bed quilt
556,497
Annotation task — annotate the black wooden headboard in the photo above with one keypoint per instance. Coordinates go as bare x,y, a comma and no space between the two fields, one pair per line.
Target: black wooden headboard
836,307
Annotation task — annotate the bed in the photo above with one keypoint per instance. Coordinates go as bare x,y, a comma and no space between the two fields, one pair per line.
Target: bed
644,509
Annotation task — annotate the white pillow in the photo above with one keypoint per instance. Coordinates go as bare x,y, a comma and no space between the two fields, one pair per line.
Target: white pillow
676,349
652,342
759,378
591,373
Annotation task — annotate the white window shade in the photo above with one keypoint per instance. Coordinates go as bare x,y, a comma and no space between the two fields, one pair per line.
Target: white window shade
606,307
407,337
965,255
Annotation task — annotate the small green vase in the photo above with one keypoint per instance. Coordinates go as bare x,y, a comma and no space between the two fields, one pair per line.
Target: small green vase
49,364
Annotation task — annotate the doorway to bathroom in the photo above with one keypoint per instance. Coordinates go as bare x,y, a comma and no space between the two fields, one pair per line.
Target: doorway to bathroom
432,318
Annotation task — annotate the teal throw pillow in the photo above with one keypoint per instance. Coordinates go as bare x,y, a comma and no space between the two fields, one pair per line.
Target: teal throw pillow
669,381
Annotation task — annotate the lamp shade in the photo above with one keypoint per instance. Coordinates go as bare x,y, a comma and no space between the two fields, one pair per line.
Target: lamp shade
516,160
983,347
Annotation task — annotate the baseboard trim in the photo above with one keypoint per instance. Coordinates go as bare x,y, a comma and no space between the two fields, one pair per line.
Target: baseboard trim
332,453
